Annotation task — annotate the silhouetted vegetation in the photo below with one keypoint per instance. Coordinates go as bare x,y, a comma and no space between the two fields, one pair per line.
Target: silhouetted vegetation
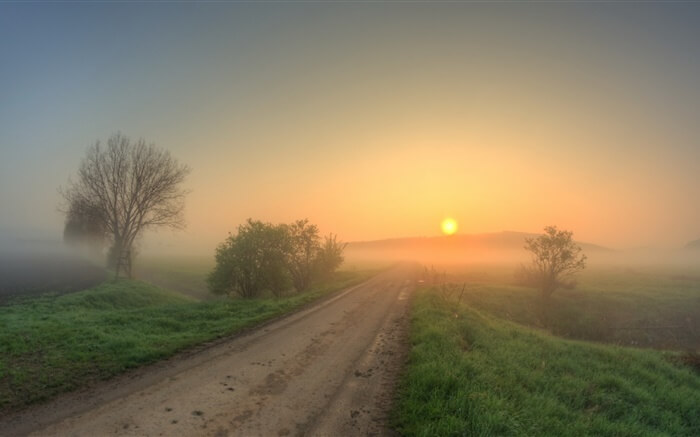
555,258
329,256
262,257
122,190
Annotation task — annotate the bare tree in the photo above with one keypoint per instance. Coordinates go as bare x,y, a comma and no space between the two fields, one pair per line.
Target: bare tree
128,187
555,258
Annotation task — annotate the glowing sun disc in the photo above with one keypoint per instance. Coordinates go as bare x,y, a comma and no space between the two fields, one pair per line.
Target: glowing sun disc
449,226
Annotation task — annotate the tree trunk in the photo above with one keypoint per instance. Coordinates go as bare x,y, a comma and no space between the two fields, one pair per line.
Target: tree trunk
114,258
120,258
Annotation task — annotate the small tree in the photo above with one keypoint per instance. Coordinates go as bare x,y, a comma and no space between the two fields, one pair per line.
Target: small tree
555,258
127,187
330,255
252,261
303,251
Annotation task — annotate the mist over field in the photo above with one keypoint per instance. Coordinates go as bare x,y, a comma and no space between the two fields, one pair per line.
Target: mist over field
350,218
505,248
31,267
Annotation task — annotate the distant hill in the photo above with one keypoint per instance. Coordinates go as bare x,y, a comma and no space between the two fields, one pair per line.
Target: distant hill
693,245
487,246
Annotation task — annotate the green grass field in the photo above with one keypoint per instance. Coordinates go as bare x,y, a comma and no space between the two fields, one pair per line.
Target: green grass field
54,344
473,373
648,307
184,274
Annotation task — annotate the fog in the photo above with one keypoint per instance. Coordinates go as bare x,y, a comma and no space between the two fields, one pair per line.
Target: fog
505,248
32,267
371,134
39,265
374,135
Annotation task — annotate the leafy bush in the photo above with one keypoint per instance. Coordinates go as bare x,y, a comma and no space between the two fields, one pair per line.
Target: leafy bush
263,257
252,261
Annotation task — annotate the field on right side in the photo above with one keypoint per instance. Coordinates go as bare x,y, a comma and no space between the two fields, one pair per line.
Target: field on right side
489,357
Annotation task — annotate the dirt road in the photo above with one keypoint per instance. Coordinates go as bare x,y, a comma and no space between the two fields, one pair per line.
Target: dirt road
328,370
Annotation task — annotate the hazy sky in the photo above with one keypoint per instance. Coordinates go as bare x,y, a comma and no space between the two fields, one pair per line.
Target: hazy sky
372,120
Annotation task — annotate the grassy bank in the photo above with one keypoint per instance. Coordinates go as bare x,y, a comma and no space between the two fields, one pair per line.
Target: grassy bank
50,345
649,307
184,274
471,373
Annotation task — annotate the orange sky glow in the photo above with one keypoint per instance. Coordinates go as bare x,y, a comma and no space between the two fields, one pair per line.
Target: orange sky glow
373,121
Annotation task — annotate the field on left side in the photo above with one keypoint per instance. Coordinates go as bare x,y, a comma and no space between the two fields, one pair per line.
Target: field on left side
52,343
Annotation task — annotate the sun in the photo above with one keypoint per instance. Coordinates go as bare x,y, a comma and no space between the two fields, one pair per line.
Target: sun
449,226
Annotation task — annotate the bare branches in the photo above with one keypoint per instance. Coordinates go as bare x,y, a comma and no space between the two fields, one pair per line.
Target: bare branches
131,186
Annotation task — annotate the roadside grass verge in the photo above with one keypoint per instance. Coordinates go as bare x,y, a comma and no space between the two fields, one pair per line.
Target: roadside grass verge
470,373
54,344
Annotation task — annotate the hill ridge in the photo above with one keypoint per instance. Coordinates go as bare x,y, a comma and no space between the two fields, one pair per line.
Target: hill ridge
500,240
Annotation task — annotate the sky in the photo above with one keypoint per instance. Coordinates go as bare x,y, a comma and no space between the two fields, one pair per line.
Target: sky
373,120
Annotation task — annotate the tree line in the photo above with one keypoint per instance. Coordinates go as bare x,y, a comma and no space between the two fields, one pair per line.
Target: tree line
263,257
125,187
